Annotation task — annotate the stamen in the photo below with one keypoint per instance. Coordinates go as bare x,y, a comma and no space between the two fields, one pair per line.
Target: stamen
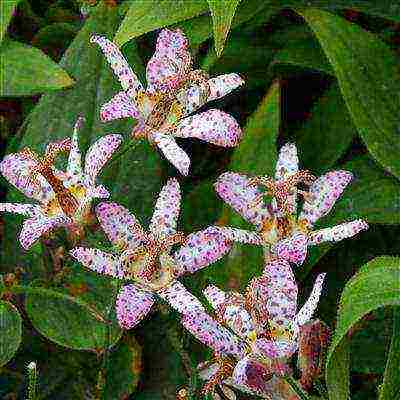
225,370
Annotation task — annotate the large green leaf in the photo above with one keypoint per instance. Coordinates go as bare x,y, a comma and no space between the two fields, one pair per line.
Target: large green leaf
367,73
10,331
222,12
375,285
146,15
6,11
26,70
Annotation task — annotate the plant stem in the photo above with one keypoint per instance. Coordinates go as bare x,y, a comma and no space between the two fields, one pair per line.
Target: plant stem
130,145
296,387
32,378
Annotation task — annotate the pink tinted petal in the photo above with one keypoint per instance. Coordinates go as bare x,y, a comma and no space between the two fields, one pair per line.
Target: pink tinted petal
98,192
288,162
120,106
213,126
75,157
221,85
309,307
200,250
275,348
132,305
240,235
166,211
212,334
293,248
235,190
99,153
172,152
120,226
128,79
98,261
28,210
34,228
338,232
180,298
325,191
214,296
171,41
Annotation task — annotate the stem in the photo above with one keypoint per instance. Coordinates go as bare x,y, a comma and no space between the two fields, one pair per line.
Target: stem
296,387
130,145
32,378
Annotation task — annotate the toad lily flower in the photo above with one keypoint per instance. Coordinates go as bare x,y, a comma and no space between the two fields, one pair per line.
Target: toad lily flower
64,197
279,230
174,90
145,258
262,331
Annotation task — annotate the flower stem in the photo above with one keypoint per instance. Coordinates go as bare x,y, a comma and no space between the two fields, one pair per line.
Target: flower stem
129,145
296,387
32,379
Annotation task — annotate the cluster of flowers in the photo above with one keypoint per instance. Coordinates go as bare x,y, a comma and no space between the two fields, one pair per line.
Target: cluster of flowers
254,335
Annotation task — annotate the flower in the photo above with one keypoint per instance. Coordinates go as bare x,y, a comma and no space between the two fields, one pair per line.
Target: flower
279,230
174,90
260,334
145,257
64,197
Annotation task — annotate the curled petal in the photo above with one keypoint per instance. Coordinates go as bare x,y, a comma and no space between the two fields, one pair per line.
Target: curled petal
200,250
166,211
75,157
120,106
212,334
132,305
338,232
235,189
324,193
180,298
221,85
213,126
128,79
98,261
99,153
293,248
215,296
120,226
28,210
240,235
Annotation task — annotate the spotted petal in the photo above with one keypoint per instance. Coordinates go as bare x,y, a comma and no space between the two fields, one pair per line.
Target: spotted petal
200,250
288,162
292,248
166,211
240,235
221,85
132,305
28,210
235,190
275,349
325,191
213,126
120,106
98,261
338,232
75,157
128,79
120,226
214,296
212,334
237,318
99,153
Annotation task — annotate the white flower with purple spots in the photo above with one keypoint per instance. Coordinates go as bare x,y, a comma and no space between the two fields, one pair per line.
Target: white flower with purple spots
174,91
146,258
261,331
279,229
63,199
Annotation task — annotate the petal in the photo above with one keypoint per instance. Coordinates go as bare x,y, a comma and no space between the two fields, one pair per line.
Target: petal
338,232
200,250
275,349
120,106
166,211
98,261
213,126
193,97
128,79
28,210
214,296
238,319
221,85
132,305
293,248
240,235
172,152
309,307
75,157
98,192
180,298
235,190
120,226
325,191
212,334
99,153
35,227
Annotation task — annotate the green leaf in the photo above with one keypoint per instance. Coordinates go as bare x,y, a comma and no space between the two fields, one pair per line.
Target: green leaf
26,70
375,285
68,321
10,331
391,380
7,8
367,73
222,12
147,15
